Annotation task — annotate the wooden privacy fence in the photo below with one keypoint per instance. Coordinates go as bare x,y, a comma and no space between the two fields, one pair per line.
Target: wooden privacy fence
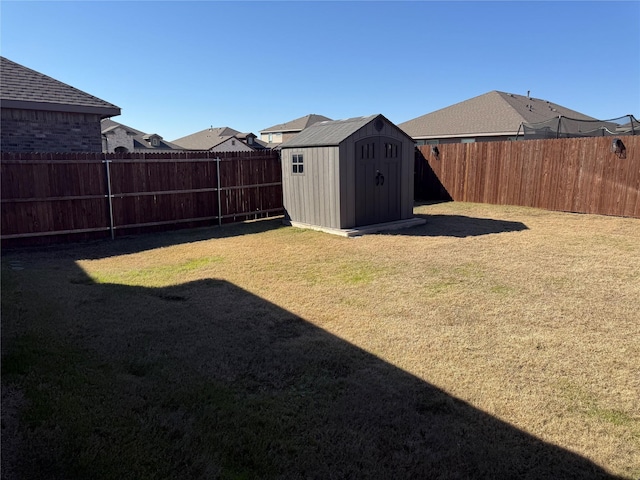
52,198
580,175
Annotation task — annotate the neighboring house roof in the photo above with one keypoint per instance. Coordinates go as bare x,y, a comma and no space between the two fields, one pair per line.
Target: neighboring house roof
494,113
141,140
206,139
332,132
297,125
23,88
212,137
257,144
630,127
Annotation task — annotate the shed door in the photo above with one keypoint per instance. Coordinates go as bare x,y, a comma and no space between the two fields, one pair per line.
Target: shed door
377,189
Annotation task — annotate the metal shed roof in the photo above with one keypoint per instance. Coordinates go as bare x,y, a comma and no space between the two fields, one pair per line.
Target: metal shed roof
331,133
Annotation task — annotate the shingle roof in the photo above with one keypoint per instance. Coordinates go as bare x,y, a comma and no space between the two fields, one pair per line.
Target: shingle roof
330,133
21,87
262,144
297,125
256,144
107,125
206,139
140,139
494,113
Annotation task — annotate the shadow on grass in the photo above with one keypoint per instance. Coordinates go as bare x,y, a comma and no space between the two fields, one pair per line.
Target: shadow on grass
206,380
150,241
459,226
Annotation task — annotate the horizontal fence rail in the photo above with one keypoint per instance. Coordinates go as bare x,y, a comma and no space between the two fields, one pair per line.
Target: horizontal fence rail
582,175
52,198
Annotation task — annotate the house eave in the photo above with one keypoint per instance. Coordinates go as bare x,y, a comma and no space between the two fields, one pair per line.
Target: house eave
104,112
281,131
466,135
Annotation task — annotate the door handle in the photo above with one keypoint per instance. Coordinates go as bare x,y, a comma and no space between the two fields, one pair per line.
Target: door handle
379,178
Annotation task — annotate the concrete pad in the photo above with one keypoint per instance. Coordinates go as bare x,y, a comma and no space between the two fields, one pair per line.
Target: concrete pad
359,231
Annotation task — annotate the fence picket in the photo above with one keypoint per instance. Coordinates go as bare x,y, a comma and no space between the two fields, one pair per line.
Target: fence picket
578,175
52,198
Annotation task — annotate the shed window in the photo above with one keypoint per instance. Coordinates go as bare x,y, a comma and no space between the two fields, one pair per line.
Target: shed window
297,161
390,150
368,150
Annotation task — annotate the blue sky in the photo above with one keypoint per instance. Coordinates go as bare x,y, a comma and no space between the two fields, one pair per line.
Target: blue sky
175,68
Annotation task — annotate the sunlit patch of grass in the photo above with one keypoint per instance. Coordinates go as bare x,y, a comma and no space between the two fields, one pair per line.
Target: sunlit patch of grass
456,277
346,273
580,400
440,286
469,270
502,290
613,416
158,275
210,372
358,272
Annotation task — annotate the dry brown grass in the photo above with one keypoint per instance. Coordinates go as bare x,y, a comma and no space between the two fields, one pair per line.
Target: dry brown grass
525,318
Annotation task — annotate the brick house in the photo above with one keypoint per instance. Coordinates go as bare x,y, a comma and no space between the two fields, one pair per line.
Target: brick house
117,137
41,114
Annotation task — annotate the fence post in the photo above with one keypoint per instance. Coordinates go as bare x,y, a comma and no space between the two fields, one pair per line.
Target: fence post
110,197
218,189
558,128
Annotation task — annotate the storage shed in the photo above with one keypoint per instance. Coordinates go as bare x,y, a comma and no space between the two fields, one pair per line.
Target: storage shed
349,176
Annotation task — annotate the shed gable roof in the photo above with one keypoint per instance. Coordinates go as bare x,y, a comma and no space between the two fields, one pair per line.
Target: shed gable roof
493,113
298,124
332,132
23,88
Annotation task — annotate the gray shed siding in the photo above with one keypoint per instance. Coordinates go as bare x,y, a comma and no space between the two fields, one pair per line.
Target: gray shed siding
314,196
347,151
325,195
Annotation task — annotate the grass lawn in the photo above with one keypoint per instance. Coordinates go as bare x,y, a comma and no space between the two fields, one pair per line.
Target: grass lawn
491,342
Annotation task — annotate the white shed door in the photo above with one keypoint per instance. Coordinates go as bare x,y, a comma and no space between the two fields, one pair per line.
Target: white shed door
377,189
